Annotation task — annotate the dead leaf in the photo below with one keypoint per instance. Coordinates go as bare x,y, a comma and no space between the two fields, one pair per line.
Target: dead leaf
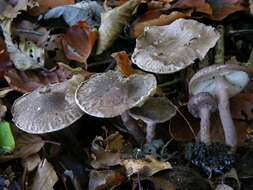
88,11
45,177
124,64
147,166
103,180
31,162
45,5
153,18
78,42
223,187
115,142
201,6
112,23
5,63
106,159
26,145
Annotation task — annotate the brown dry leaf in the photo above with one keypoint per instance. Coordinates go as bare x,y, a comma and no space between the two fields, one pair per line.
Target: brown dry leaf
103,180
45,177
45,5
106,159
31,162
147,166
241,106
155,18
26,145
5,63
115,142
124,64
79,41
201,6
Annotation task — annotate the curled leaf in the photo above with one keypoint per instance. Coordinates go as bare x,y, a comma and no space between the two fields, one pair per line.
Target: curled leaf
78,42
88,11
112,23
25,55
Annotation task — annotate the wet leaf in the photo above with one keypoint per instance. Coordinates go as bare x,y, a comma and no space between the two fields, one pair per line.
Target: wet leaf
147,166
103,180
7,141
45,177
112,23
78,42
45,5
88,11
26,145
155,18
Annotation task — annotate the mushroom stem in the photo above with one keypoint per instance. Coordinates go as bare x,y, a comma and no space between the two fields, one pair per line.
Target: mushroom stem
150,131
205,125
225,114
132,127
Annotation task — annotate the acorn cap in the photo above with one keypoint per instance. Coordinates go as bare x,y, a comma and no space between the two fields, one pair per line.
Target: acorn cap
154,110
173,47
109,94
205,79
49,108
202,99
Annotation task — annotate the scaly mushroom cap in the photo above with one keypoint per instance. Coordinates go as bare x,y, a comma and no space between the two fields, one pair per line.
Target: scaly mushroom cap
49,108
109,94
204,80
170,48
203,99
155,110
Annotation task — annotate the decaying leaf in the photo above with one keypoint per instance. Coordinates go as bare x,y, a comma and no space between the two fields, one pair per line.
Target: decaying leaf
45,177
26,145
31,162
103,180
115,142
25,55
11,9
124,64
112,23
201,6
155,18
45,5
158,48
78,42
147,166
88,11
5,63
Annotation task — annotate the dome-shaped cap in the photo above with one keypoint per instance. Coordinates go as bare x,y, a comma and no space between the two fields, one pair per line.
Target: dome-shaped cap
200,100
155,110
170,48
205,79
109,94
49,108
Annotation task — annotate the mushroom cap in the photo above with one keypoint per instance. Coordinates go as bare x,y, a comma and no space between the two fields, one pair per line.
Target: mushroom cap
154,110
47,109
205,79
200,100
158,49
109,94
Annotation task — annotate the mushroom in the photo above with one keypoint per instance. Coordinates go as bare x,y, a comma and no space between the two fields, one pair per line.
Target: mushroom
158,48
109,94
49,108
155,110
223,82
200,106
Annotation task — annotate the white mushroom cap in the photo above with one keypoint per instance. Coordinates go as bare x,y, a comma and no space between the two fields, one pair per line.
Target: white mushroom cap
49,108
109,94
204,80
154,110
170,48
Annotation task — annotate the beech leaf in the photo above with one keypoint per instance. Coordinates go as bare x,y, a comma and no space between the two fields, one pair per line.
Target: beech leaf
72,14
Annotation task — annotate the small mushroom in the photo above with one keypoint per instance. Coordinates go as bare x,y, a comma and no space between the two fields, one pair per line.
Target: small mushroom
223,82
155,110
49,108
109,95
200,106
158,48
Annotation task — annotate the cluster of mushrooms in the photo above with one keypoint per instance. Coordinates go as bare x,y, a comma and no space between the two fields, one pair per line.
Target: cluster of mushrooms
161,50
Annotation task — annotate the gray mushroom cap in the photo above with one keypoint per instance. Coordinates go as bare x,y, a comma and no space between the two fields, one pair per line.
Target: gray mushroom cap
110,94
49,108
202,99
173,47
154,110
205,79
